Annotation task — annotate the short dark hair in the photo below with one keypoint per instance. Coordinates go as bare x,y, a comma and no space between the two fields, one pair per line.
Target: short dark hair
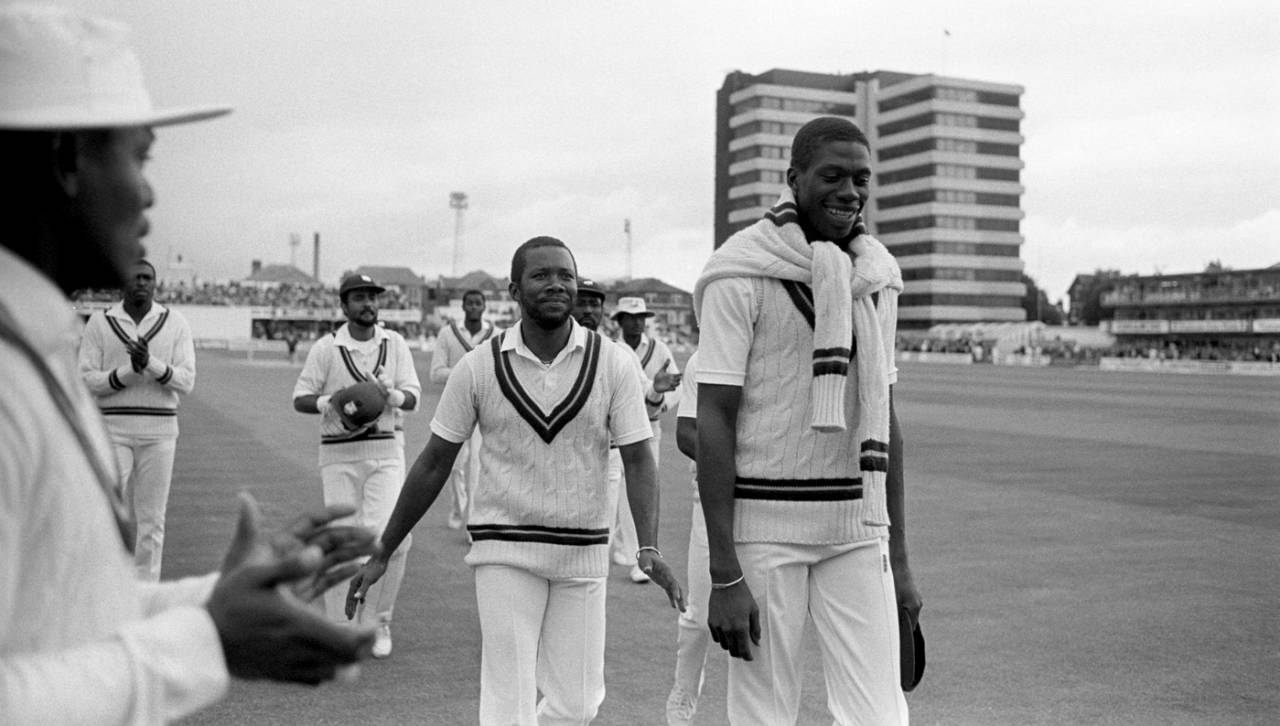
820,131
473,291
517,260
145,261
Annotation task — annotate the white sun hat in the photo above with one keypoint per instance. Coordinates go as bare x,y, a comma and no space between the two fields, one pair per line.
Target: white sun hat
60,70
632,306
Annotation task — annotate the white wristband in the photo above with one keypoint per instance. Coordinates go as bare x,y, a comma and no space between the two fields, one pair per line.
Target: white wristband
395,397
322,403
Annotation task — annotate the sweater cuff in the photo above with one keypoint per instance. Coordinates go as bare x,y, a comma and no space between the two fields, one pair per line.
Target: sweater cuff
156,367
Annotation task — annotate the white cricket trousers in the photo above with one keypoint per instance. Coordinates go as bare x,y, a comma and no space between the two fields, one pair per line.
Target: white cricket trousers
372,487
625,540
848,591
539,635
146,473
692,637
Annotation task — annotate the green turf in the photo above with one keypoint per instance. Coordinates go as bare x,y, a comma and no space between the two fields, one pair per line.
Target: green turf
1092,548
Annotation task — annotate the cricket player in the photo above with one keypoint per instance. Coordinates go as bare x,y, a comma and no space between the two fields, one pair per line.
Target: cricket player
363,468
799,449
453,342
136,358
548,397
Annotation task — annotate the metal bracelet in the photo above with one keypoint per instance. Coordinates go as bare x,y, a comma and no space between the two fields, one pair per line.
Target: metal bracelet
648,549
727,585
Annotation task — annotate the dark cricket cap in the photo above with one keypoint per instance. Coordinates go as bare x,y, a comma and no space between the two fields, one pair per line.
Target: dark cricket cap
359,282
911,648
588,286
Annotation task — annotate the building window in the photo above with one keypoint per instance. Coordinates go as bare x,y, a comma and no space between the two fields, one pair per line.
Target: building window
998,124
905,99
957,94
957,171
987,172
963,274
997,200
997,149
945,247
895,152
937,298
906,124
914,172
768,176
903,200
962,120
998,99
998,225
904,225
960,146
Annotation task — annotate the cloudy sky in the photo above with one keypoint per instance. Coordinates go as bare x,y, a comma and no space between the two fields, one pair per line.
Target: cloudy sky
1152,129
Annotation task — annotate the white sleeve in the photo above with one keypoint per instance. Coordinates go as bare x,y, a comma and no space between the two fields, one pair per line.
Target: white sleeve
455,416
688,406
727,329
311,380
440,363
628,420
406,374
179,373
101,379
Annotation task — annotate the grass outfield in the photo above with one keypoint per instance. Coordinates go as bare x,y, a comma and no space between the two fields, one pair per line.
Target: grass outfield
1092,548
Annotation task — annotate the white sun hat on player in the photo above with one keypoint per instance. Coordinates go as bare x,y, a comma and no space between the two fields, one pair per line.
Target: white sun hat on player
60,70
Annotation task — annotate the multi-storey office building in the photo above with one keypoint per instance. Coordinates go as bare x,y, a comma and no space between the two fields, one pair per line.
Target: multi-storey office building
947,187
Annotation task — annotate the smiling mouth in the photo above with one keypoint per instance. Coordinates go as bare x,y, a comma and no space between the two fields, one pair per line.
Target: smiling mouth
844,214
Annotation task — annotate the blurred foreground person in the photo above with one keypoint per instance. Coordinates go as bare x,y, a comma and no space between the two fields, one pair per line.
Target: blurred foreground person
82,641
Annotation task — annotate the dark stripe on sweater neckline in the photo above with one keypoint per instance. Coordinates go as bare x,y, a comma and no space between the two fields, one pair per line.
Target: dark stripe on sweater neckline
544,424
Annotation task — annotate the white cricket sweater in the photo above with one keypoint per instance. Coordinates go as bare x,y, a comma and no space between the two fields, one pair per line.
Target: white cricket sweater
336,361
794,484
543,501
143,403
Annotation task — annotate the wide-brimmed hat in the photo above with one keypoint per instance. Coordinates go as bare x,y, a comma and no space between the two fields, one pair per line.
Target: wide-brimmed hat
588,286
631,306
60,70
359,282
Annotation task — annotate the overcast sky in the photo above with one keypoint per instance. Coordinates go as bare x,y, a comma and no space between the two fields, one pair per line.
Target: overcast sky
1152,131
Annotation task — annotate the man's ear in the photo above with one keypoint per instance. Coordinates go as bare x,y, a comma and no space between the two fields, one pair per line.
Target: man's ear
513,290
791,179
64,153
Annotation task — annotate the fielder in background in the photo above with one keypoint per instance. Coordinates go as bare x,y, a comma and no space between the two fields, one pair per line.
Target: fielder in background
136,357
589,312
549,397
362,463
799,450
82,640
660,368
692,637
452,343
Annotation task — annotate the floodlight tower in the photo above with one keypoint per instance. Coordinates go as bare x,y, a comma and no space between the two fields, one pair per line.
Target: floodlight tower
626,230
294,241
458,203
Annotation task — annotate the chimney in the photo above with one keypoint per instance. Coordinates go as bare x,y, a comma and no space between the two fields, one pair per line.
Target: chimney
315,257
254,266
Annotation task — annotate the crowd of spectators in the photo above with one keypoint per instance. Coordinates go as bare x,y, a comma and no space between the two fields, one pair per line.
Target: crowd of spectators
1212,351
285,296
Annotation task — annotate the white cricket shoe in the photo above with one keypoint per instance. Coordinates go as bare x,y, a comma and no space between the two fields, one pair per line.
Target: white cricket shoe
681,705
382,641
637,575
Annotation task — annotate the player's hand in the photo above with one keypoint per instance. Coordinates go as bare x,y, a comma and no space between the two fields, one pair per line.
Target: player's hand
372,571
340,546
908,594
660,573
139,354
663,381
733,618
265,630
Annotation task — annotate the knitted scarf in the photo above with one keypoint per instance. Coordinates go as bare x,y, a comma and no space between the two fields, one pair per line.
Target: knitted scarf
842,290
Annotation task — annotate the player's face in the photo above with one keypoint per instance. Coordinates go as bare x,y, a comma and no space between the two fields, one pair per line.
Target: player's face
140,287
548,287
588,311
361,307
473,307
833,190
112,196
632,325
